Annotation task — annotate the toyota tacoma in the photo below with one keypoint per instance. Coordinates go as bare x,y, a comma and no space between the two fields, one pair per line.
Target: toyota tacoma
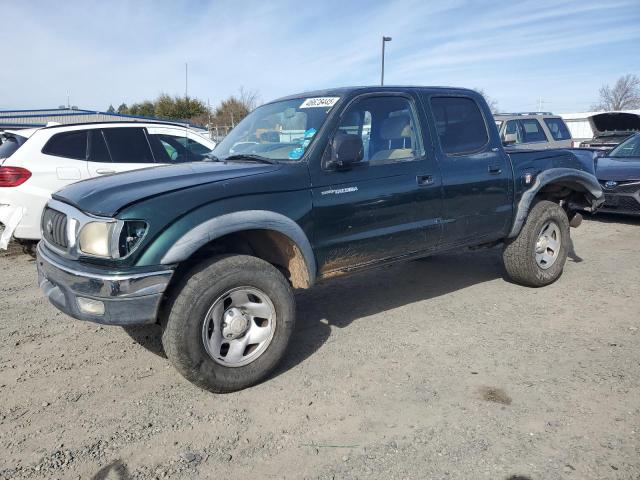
304,189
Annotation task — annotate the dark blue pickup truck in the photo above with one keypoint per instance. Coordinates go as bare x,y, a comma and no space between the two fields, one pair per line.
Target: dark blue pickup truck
305,188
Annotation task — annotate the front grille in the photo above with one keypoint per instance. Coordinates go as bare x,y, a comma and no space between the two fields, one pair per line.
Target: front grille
622,187
629,204
54,227
621,202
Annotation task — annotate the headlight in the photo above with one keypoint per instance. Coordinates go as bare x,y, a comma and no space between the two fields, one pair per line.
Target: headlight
95,238
114,239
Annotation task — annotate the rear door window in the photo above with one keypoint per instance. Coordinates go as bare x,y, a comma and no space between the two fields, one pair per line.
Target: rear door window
532,131
460,125
10,144
128,145
68,145
558,128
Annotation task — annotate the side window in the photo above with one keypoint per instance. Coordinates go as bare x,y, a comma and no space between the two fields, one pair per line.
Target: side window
197,148
558,129
98,151
175,149
128,145
460,125
512,128
532,131
68,145
388,129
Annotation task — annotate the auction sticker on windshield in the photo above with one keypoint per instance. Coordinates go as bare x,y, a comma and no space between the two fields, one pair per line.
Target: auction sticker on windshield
319,102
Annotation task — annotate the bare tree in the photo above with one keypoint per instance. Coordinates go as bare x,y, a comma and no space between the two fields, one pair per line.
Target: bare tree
492,102
249,99
624,95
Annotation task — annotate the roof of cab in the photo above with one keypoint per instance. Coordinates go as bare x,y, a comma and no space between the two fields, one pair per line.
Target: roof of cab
341,91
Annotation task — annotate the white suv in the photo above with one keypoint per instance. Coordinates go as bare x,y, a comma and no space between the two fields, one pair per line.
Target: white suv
38,162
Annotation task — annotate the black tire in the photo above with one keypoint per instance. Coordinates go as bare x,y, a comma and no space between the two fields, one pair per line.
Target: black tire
188,306
520,252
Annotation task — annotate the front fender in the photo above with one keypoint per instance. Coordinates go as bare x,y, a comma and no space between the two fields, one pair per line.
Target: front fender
581,179
234,222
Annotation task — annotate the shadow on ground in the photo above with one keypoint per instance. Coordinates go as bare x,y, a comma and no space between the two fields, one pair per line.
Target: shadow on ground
340,301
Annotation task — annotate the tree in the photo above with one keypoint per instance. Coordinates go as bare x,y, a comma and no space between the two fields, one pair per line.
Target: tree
111,109
144,109
123,108
179,108
234,108
492,102
624,95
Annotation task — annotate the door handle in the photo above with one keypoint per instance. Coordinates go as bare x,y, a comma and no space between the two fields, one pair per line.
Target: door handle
495,169
104,171
424,180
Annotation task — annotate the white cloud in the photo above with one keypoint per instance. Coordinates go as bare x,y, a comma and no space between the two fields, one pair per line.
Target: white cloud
108,52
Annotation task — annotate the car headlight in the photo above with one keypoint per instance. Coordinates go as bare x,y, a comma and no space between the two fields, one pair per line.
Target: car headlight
114,239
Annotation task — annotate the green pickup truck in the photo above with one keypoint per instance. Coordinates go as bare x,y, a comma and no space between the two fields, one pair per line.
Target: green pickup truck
304,189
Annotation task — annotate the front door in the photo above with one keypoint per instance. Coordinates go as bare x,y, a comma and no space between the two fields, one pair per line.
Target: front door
386,206
476,173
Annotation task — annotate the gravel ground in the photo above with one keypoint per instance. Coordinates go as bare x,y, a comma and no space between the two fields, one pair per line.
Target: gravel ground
438,368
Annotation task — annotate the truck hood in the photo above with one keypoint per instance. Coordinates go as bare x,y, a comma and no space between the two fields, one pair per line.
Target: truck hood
612,123
105,196
616,169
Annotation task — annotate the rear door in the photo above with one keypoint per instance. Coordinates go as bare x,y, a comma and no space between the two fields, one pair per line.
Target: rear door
388,205
476,173
67,162
113,150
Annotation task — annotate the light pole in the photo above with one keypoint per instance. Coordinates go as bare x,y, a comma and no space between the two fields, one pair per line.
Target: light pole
384,40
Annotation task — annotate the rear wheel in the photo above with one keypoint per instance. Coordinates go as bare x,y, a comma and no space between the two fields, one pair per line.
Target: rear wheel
229,322
536,257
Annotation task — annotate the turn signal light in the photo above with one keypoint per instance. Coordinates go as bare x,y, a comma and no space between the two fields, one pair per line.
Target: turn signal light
13,176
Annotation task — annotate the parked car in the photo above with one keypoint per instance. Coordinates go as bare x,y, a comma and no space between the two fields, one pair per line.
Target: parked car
534,131
619,175
611,128
37,162
213,250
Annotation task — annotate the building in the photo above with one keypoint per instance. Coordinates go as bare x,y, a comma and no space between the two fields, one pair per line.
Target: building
579,126
17,119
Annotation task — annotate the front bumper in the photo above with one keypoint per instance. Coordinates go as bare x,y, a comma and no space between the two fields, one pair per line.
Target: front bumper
130,297
624,198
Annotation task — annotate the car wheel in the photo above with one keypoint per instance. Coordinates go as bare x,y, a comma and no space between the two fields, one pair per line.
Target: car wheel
228,323
536,257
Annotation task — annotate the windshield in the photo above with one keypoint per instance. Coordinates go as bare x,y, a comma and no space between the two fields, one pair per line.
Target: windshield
278,131
630,148
9,144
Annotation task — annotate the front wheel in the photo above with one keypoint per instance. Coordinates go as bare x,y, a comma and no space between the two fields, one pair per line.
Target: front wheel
536,257
229,322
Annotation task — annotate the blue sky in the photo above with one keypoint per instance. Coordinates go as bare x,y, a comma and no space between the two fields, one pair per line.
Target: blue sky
126,51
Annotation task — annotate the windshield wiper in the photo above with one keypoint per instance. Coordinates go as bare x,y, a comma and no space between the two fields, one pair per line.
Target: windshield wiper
250,157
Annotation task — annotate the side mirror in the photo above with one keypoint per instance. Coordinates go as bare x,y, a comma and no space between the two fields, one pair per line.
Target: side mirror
509,139
346,150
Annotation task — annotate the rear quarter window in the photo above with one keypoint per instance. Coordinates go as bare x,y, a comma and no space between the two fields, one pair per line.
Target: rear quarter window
68,145
558,128
9,144
460,125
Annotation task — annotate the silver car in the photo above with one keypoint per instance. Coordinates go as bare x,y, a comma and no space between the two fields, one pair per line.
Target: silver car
533,131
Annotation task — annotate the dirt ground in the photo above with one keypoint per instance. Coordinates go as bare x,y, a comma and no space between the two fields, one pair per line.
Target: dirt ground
438,369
